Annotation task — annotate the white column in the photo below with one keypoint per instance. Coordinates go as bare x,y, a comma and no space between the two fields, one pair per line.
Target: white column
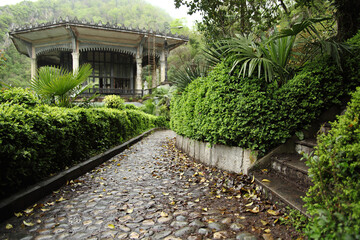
33,62
75,58
162,66
138,81
154,78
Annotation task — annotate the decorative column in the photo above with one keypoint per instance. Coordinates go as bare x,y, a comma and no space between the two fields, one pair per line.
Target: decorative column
163,66
138,81
75,58
33,62
154,78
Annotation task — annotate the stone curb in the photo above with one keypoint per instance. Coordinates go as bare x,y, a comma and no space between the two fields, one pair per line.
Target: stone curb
30,195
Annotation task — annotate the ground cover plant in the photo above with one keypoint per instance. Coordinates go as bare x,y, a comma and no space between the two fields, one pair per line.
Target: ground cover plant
36,141
334,199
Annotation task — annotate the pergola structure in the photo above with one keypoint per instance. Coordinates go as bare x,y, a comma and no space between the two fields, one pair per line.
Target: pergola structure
117,54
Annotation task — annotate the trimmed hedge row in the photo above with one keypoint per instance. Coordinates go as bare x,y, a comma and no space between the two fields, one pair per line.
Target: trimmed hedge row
42,140
334,199
249,113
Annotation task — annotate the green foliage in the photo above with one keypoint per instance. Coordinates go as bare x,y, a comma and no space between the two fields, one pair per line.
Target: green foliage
18,96
149,107
334,199
295,218
224,18
248,113
39,141
131,106
59,86
186,74
114,101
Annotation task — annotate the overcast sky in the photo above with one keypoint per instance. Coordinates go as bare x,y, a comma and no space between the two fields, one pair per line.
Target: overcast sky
167,5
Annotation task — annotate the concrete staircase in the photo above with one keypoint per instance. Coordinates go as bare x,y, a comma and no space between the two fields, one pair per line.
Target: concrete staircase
282,175
286,178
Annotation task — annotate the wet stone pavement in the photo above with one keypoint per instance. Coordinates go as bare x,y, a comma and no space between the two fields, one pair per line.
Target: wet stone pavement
150,191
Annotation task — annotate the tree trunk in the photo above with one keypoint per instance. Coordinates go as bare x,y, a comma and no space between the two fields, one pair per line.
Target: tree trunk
348,18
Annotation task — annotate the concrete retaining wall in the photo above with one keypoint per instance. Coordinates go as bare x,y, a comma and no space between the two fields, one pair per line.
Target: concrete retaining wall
232,159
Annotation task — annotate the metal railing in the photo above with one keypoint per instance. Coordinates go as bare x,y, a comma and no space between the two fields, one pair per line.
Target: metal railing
117,91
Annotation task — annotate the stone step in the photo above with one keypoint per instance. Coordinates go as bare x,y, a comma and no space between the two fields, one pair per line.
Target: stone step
305,146
291,168
279,190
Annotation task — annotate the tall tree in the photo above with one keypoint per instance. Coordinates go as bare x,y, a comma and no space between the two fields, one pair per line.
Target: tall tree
223,18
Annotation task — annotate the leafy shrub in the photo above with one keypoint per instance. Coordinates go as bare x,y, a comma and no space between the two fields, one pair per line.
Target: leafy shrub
149,107
18,96
37,142
334,199
114,101
248,113
131,106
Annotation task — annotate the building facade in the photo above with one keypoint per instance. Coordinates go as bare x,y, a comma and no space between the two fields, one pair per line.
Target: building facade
117,54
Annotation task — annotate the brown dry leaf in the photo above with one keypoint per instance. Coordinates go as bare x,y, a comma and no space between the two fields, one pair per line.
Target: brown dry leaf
18,214
28,211
164,214
265,180
273,212
61,199
111,226
28,224
268,237
254,210
9,226
264,223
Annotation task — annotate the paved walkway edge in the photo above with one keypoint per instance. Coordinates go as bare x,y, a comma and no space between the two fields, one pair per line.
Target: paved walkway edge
27,197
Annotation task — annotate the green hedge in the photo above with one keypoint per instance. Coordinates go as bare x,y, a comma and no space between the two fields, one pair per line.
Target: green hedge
334,199
36,142
249,113
18,96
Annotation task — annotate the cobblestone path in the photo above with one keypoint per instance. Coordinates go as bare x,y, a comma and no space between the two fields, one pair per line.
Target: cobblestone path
137,195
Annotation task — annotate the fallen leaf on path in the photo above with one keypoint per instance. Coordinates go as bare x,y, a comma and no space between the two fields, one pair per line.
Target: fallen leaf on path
268,237
111,226
273,212
131,210
9,226
164,214
267,230
254,210
45,209
18,214
61,199
28,211
28,224
264,222
265,180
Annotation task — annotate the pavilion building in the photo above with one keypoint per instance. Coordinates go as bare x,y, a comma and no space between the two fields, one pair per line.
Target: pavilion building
117,54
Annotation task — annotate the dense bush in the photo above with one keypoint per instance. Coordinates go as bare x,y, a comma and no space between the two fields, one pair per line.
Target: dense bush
131,106
114,101
38,141
334,199
249,113
18,96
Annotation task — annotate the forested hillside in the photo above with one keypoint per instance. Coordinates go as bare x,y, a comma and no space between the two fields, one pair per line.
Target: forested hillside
128,12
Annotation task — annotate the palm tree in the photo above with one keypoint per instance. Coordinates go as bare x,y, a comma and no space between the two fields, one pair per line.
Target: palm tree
58,86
